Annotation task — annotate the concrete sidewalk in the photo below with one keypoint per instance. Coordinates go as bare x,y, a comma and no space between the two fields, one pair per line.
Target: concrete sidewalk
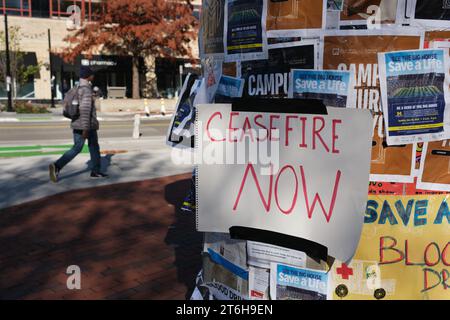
26,179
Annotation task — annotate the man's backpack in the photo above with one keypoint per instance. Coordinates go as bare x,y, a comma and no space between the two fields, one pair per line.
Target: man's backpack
71,102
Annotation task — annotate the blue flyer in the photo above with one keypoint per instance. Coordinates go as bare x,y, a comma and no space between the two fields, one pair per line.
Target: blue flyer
333,87
229,87
292,283
414,89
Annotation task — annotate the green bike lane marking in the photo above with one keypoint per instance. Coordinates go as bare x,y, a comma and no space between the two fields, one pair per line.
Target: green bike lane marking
37,147
35,119
30,151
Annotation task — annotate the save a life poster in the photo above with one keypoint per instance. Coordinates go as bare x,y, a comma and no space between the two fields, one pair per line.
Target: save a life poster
404,251
357,51
270,78
331,86
245,30
295,18
415,95
292,283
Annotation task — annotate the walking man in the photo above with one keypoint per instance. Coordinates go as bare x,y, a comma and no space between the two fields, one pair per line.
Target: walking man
84,127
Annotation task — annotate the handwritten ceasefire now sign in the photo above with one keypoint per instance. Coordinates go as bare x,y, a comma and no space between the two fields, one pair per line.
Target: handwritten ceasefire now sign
315,190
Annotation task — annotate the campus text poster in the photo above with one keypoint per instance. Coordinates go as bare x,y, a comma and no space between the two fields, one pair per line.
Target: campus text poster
270,78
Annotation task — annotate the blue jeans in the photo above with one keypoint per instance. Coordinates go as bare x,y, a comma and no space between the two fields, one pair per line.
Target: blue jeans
94,150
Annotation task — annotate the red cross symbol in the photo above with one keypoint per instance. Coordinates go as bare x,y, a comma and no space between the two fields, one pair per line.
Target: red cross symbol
344,271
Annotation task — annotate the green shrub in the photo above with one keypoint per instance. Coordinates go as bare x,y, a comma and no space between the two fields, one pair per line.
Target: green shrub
27,107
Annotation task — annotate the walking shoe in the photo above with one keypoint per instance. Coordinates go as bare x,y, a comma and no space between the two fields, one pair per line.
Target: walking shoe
53,172
188,207
98,175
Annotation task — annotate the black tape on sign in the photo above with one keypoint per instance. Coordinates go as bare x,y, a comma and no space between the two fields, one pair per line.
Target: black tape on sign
312,249
295,106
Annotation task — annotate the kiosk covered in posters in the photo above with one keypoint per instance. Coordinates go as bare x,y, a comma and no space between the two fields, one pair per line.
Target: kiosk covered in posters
335,199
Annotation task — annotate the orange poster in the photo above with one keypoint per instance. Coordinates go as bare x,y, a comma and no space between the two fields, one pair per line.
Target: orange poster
357,51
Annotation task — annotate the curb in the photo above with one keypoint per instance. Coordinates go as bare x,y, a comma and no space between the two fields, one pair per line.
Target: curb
105,119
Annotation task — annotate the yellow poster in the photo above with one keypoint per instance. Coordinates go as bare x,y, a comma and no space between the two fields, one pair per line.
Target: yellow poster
404,251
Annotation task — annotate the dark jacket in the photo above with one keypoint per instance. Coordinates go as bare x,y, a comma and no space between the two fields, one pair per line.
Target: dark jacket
88,114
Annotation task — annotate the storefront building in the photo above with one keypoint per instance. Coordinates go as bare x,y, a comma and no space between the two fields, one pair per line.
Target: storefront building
43,20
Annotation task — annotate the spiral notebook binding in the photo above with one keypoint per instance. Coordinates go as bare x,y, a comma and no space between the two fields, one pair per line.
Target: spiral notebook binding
196,144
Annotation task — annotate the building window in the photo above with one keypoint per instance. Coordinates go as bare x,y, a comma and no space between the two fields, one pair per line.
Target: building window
16,7
40,8
72,9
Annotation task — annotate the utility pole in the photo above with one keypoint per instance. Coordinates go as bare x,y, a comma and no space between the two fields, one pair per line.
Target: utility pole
8,68
52,78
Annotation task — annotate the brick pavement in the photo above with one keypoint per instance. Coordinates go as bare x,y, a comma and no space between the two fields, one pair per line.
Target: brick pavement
130,241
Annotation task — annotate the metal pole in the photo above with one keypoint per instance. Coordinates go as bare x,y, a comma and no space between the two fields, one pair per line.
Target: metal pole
8,68
181,76
52,80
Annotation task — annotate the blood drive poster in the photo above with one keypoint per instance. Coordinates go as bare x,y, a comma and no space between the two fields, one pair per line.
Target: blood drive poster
403,254
357,51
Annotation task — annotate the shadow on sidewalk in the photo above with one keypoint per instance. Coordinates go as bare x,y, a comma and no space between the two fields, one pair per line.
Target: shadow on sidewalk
182,234
124,244
105,164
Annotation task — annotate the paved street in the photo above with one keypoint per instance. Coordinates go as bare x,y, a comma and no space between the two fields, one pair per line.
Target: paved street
27,132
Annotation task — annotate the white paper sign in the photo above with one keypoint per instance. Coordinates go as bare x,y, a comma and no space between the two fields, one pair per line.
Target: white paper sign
262,254
315,189
258,283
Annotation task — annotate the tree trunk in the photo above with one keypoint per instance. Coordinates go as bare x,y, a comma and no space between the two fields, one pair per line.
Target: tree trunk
136,82
151,87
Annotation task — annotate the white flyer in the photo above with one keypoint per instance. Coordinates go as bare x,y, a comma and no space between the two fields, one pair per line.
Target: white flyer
262,254
258,283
